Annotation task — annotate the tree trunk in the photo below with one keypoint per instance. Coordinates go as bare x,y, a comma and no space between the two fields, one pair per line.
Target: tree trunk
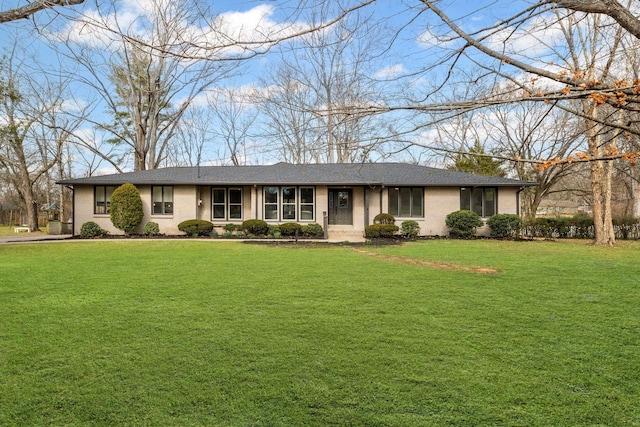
31,208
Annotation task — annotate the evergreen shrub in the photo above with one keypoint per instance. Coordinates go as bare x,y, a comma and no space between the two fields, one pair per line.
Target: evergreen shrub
384,218
196,227
380,230
505,225
410,228
126,208
312,230
290,228
256,227
463,223
151,229
90,229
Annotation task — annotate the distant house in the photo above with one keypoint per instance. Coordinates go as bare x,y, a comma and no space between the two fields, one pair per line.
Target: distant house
343,197
564,207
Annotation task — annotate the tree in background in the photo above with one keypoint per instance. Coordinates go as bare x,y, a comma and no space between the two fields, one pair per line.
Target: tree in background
147,74
477,161
313,97
33,134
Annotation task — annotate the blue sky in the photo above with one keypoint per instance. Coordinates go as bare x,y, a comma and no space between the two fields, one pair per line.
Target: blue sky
413,49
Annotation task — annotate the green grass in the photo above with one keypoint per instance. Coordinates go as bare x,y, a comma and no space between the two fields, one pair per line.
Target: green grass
222,333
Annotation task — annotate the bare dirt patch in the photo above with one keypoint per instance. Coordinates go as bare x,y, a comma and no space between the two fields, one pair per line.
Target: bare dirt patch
437,265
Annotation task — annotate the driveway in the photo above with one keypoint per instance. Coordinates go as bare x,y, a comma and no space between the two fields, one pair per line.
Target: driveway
22,238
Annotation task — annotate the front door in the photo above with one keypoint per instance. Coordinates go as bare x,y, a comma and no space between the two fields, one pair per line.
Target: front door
340,207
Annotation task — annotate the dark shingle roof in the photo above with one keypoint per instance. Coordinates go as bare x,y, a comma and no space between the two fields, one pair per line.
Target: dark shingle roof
400,174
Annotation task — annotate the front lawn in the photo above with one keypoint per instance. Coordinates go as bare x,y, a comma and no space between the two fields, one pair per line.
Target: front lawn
223,333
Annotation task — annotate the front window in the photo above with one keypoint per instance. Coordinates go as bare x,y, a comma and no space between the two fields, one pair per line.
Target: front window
307,203
406,202
289,203
102,199
227,203
162,200
481,200
271,203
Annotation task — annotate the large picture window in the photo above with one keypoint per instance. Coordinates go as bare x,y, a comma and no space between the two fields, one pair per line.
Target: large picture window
102,199
481,200
406,202
227,203
289,203
162,199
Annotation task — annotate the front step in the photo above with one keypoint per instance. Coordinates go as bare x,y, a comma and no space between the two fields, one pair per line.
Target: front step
344,235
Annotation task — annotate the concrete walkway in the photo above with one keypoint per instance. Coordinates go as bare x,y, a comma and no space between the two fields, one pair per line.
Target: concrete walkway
22,238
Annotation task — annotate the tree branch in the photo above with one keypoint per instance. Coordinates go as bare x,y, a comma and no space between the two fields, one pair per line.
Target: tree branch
31,8
612,8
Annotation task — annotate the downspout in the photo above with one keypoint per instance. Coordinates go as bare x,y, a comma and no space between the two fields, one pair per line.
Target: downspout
73,210
367,198
518,200
255,202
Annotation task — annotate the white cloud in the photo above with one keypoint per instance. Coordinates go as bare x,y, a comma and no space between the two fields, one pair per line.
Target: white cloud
390,72
535,39
226,34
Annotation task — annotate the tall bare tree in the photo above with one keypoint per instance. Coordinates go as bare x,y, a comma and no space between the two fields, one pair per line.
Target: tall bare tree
33,133
146,74
322,81
574,55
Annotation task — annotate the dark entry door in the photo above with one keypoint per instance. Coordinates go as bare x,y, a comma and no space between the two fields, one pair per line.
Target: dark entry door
340,207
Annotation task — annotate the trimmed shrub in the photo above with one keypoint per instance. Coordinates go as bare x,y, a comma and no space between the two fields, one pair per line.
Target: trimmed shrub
126,208
551,227
463,223
372,231
90,229
151,229
256,227
230,227
290,228
196,227
380,230
583,226
312,230
273,229
505,225
625,227
410,228
384,218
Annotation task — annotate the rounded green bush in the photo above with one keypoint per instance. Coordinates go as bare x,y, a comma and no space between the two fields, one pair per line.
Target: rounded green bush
463,223
372,231
290,228
151,229
256,227
505,225
380,230
384,218
273,229
126,208
312,230
197,227
90,230
230,227
410,228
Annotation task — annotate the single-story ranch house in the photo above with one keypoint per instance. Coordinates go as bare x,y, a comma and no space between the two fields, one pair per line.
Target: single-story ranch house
344,198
